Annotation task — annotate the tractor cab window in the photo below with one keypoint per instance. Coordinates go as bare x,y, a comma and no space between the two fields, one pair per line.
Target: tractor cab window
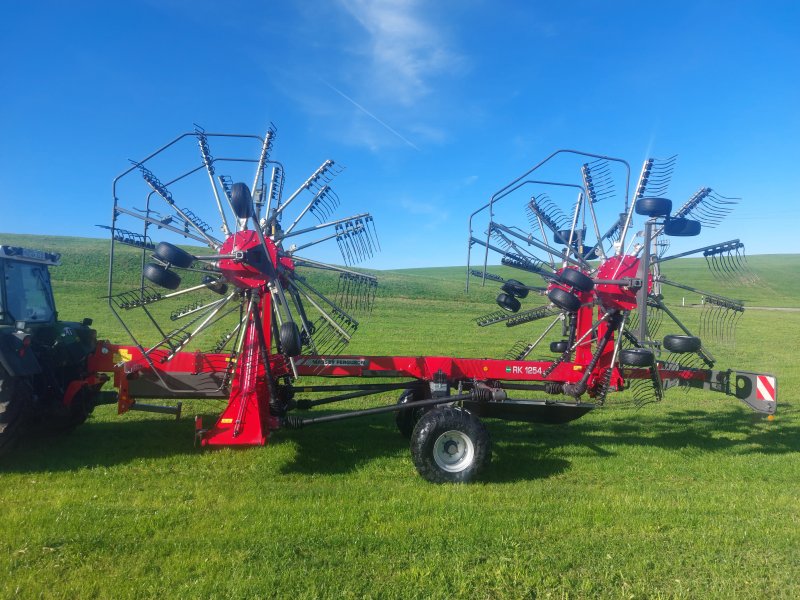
28,296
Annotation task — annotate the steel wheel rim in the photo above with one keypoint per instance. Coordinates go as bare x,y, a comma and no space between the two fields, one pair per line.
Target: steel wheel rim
453,451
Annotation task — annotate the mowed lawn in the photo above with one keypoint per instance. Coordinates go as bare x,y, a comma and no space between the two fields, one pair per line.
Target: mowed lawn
695,497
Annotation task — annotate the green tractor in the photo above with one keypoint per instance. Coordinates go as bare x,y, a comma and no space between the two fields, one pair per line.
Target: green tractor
44,380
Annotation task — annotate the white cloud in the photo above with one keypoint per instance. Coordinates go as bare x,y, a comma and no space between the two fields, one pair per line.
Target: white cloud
404,52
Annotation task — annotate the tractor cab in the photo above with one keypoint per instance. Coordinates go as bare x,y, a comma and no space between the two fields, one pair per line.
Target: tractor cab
26,296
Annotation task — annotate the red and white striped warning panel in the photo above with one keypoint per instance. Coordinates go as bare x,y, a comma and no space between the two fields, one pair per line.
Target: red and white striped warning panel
765,388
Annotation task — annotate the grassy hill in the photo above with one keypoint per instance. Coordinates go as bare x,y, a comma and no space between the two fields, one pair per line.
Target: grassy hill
693,497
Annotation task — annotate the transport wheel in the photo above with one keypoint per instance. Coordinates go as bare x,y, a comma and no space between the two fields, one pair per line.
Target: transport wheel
407,419
654,207
559,347
637,357
508,302
161,276
681,227
450,445
12,409
170,253
515,288
291,342
680,344
576,279
564,300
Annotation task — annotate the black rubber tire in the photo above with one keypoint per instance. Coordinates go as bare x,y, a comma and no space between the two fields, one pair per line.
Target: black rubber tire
169,253
559,347
291,342
12,410
82,406
450,445
680,344
681,227
564,300
508,302
241,201
407,419
654,207
217,286
562,237
577,280
637,357
161,276
515,288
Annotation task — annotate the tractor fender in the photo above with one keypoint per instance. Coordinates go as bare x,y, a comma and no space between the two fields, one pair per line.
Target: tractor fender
17,359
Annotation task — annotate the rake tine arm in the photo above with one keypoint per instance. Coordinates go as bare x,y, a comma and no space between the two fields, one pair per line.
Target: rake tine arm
321,226
534,242
708,250
307,262
160,224
720,300
208,161
307,184
166,195
315,200
266,147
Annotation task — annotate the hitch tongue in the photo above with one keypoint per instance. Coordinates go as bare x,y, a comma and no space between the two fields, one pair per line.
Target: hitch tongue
154,408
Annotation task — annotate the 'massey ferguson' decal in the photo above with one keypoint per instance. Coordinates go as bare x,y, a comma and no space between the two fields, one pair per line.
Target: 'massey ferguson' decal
332,362
524,370
765,388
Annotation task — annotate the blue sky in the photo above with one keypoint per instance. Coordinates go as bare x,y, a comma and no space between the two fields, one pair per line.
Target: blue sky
431,106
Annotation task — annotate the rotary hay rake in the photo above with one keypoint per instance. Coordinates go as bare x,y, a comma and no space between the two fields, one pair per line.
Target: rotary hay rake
252,313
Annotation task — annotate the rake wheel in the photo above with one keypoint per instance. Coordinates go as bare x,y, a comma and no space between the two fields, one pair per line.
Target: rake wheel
235,252
608,288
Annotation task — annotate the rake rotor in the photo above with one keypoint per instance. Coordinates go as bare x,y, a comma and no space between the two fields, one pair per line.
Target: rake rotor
612,310
251,268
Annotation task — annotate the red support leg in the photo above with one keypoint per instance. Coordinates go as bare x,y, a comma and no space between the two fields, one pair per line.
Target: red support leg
245,421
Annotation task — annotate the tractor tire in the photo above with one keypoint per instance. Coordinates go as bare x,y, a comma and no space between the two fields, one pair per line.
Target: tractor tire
508,302
637,357
450,445
654,207
564,300
680,344
291,342
161,276
169,253
12,410
515,288
407,419
576,279
681,227
559,347
80,409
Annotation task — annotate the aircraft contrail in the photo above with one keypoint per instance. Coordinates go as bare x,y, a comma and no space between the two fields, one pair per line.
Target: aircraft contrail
365,111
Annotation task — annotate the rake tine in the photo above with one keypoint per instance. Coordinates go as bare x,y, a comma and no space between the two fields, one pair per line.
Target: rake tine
366,249
364,233
356,240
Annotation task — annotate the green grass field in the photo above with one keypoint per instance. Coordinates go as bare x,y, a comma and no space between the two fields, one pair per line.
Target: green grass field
695,497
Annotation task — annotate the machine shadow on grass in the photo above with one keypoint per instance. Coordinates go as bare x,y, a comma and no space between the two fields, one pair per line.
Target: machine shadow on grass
529,451
520,451
100,444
